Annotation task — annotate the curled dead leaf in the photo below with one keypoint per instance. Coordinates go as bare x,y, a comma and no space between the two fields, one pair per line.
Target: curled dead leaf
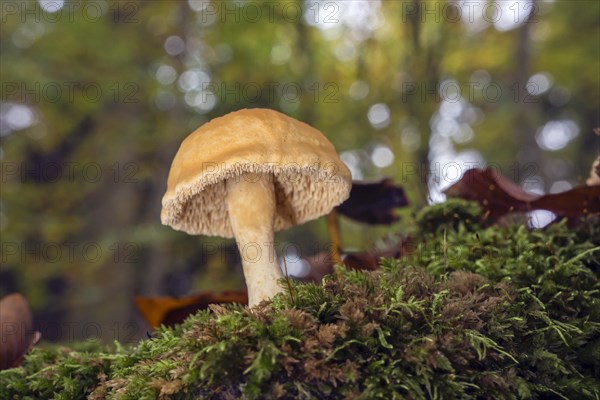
499,196
373,202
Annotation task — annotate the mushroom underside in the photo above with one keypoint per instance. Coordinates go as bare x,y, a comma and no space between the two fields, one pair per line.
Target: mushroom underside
300,196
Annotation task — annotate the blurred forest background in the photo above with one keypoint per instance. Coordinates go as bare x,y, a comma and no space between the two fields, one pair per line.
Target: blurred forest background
97,96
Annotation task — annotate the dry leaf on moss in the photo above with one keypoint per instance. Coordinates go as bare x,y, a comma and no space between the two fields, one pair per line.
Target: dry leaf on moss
499,196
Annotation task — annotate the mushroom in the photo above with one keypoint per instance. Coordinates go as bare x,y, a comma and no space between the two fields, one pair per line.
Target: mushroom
248,174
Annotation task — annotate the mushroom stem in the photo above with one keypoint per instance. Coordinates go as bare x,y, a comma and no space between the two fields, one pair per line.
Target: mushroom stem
251,205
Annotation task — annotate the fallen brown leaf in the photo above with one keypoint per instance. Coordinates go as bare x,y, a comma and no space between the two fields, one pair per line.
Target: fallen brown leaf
373,202
170,311
16,334
498,196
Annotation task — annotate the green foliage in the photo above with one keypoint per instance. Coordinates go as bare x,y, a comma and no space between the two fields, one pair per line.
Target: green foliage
504,313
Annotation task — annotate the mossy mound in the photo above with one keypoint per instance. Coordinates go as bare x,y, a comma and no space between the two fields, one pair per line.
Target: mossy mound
471,313
452,213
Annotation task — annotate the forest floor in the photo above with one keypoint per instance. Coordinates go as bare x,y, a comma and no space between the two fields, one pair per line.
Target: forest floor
472,311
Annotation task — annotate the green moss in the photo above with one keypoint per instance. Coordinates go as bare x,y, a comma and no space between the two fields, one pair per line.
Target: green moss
452,213
57,372
471,313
